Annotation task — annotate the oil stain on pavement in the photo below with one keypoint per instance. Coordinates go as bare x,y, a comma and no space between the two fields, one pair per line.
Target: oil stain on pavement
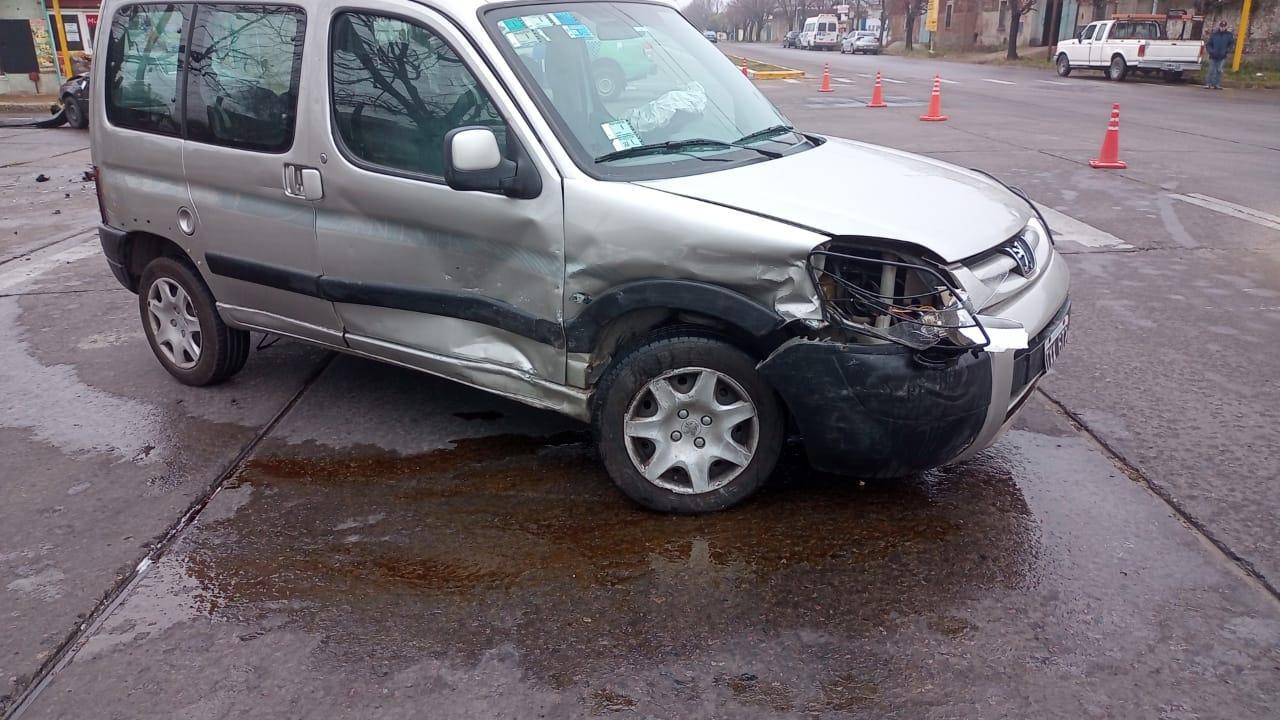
503,576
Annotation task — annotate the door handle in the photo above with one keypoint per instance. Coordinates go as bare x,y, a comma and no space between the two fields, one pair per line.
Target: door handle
303,183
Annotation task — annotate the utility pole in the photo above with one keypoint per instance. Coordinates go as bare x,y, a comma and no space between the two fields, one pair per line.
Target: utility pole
1240,33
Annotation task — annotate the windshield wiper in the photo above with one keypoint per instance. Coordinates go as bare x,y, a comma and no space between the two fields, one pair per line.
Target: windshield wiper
679,146
762,134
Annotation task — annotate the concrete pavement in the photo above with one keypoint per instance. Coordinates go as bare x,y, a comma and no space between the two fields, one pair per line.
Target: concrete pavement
384,544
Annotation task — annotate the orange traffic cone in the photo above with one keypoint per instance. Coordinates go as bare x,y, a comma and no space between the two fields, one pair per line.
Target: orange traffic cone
826,78
877,95
744,68
935,102
1109,158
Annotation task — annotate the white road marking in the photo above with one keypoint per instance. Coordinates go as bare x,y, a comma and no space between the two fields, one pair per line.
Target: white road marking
1052,82
998,82
18,272
863,75
843,80
948,82
1248,214
790,80
1068,229
896,82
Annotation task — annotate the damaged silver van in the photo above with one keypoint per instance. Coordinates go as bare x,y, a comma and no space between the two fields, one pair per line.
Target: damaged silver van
442,185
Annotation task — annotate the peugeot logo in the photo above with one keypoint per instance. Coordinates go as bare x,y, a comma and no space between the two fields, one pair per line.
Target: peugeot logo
1021,252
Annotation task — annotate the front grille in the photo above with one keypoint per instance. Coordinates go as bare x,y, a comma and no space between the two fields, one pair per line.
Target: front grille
998,273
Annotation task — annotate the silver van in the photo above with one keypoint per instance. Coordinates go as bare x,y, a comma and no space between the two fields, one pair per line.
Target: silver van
442,185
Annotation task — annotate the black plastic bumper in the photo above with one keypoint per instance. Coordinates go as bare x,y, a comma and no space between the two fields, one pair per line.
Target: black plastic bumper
874,410
113,246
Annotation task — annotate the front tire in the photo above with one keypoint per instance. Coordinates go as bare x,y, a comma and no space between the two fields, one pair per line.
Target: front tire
1117,69
182,325
76,117
1063,65
685,424
609,80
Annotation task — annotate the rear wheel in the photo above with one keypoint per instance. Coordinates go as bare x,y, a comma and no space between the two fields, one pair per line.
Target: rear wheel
1117,69
1063,65
183,328
686,425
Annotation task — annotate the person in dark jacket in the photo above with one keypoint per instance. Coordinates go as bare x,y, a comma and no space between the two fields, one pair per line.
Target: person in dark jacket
1220,43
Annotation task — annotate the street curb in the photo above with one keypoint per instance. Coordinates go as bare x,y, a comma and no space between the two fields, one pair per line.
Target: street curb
774,74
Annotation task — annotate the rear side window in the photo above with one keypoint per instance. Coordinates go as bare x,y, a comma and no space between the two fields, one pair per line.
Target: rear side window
243,75
144,58
397,89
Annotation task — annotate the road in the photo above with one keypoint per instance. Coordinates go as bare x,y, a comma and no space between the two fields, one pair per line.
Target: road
329,537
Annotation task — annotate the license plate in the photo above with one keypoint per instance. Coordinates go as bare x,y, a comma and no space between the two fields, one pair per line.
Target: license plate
1170,66
1056,341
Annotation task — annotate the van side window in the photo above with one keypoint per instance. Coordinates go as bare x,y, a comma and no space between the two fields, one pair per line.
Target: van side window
396,89
243,74
144,57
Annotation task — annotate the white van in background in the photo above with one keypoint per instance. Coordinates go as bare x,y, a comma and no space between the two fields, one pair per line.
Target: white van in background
820,33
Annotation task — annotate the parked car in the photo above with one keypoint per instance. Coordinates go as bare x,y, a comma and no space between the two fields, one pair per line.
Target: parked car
442,189
74,96
711,35
791,39
625,56
1118,47
861,41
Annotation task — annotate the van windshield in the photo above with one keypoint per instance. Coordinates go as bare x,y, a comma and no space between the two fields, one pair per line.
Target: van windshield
617,76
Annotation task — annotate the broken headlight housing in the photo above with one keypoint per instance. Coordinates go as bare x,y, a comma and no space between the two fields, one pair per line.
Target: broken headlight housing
886,297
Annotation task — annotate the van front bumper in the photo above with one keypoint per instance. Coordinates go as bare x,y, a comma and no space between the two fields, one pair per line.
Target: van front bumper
877,410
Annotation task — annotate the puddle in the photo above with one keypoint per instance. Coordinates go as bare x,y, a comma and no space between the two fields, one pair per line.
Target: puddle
524,540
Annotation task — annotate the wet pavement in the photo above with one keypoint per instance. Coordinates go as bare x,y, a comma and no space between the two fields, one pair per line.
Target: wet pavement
502,576
384,544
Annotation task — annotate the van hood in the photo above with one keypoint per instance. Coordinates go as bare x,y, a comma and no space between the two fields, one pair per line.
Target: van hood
846,188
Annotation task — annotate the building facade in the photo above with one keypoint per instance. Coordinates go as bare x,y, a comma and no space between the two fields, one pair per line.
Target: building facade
31,53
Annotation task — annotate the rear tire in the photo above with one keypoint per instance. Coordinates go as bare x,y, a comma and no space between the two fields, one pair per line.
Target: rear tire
180,319
1117,69
685,424
1063,65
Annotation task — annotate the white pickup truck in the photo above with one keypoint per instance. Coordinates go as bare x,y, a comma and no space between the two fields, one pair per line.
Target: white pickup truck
1118,47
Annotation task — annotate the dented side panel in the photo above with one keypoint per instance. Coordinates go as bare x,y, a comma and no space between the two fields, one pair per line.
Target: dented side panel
618,233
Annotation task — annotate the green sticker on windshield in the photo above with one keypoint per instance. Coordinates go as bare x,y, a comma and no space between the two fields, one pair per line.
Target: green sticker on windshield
513,25
622,134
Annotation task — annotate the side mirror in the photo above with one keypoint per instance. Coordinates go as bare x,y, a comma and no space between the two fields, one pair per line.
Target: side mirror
474,162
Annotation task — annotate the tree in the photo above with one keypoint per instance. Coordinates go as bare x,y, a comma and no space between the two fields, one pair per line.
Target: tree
702,12
750,15
1017,8
914,8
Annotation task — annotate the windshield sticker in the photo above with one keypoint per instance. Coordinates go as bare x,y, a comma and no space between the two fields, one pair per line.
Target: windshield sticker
564,18
537,21
622,134
525,38
512,25
577,31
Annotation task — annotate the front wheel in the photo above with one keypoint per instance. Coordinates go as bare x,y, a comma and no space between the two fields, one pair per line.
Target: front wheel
609,80
1117,69
75,115
686,425
1063,65
183,328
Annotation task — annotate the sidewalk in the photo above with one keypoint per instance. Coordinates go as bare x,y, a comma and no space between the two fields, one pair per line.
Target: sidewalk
38,104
